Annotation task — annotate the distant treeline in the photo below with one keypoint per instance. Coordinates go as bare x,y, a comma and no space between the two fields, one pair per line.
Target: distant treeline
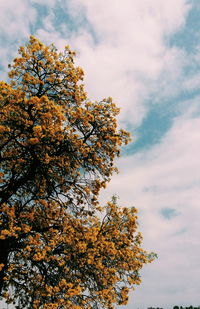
176,307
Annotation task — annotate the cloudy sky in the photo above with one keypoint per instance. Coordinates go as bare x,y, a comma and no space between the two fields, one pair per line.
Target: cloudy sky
146,55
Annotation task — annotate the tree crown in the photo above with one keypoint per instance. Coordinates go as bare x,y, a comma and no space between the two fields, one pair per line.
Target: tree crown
57,151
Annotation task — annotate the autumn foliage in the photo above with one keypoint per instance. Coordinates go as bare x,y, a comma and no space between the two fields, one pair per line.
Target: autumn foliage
58,247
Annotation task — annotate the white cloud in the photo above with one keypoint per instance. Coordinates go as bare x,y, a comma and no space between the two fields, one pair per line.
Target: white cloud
131,52
16,18
129,55
166,176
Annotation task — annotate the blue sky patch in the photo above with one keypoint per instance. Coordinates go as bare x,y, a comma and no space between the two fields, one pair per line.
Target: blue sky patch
188,36
168,213
153,127
63,21
42,12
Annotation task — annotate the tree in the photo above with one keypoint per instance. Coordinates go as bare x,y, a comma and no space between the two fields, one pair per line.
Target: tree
59,247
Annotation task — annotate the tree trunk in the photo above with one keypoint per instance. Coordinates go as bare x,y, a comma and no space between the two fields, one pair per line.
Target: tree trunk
4,251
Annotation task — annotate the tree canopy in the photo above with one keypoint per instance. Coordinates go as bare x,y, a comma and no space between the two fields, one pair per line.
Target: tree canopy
59,248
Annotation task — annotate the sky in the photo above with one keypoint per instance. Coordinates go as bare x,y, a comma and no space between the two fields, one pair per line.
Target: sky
146,55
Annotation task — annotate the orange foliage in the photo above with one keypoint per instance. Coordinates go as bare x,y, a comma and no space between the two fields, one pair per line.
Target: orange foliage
57,152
